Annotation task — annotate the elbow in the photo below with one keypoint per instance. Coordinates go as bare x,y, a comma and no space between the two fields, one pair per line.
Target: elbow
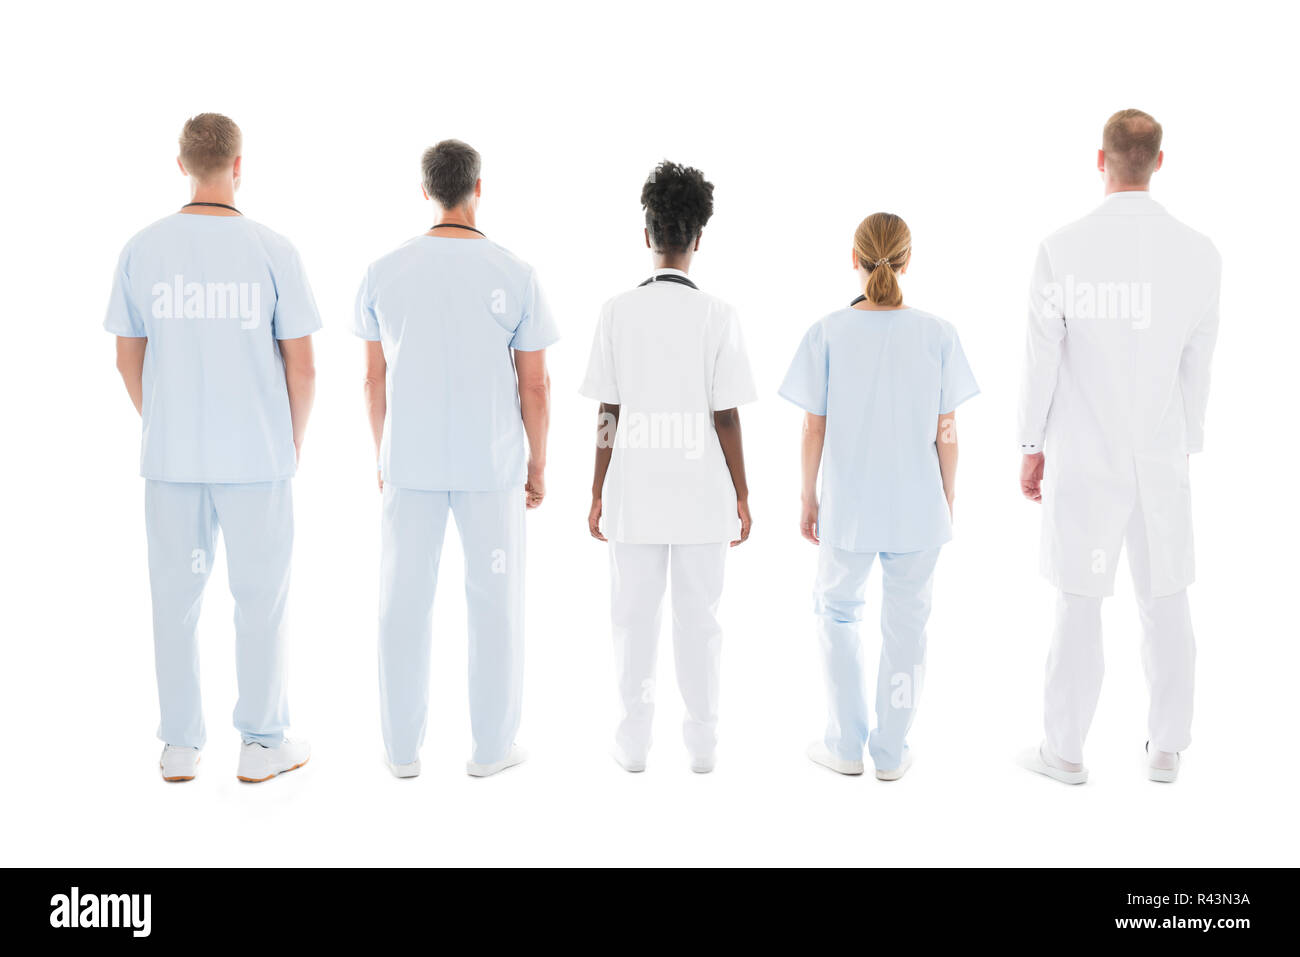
536,393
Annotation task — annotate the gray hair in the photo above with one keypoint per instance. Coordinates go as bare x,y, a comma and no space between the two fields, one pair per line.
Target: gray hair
451,168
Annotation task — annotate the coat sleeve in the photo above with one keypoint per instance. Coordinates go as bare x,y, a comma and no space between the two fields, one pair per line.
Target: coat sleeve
1042,353
1194,367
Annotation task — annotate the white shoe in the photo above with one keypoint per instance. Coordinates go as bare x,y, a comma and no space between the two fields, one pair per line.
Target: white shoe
1162,766
1038,761
258,763
410,770
515,756
703,765
893,774
818,753
626,763
179,763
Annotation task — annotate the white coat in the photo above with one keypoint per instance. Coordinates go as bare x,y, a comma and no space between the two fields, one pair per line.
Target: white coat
1122,321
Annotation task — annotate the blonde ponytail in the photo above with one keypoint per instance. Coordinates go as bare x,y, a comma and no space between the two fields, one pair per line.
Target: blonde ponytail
882,244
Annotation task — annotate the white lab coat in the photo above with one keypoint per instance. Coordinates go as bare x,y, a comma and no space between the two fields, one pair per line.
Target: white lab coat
1122,322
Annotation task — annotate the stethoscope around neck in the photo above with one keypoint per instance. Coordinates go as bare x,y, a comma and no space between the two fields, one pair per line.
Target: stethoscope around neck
670,277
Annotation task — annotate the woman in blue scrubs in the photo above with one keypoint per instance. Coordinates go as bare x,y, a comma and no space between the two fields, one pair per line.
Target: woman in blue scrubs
879,382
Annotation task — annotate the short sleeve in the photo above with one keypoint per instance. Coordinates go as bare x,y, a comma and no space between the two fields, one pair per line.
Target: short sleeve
601,382
295,308
365,323
957,381
733,381
807,380
123,318
536,329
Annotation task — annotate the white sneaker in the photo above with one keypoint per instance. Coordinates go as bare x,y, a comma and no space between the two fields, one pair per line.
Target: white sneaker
516,755
179,763
703,765
626,763
258,763
1041,762
893,774
818,753
1162,766
411,770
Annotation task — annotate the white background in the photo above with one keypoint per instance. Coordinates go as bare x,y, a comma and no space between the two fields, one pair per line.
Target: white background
976,122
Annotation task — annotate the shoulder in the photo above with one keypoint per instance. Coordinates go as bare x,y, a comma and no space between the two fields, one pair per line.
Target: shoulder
276,244
507,261
1070,230
1196,240
823,330
942,328
159,231
394,261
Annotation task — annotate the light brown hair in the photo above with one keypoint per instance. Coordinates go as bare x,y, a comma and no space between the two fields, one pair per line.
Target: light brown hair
1131,141
882,244
209,143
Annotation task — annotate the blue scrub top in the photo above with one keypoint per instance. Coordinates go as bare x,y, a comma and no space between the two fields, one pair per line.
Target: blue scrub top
449,312
882,378
212,294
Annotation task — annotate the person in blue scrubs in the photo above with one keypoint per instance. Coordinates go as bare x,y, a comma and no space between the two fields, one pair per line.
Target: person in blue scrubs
213,317
879,383
456,331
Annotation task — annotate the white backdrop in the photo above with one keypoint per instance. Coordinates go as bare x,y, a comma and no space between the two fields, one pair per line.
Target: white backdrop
977,123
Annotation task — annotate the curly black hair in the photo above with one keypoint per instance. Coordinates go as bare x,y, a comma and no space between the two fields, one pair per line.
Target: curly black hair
678,201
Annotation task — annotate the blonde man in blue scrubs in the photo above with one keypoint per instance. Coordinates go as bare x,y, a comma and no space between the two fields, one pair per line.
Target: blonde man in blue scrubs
879,382
456,331
213,318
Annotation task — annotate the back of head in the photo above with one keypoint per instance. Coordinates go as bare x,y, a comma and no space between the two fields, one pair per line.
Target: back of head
451,170
1131,142
209,144
678,202
882,244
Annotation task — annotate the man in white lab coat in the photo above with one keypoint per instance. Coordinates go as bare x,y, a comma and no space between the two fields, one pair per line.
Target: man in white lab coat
1124,310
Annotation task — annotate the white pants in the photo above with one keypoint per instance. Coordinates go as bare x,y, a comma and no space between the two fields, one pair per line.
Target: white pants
1074,664
256,521
638,578
491,526
838,600
1074,672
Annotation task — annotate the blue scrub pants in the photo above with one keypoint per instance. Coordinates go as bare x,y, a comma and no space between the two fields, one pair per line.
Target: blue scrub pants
491,526
256,522
839,598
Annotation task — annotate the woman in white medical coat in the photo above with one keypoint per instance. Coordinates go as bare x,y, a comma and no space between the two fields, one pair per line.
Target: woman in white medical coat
669,495
879,382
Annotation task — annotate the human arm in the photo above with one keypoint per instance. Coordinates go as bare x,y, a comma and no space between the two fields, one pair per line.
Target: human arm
606,428
945,442
130,363
535,408
1046,335
727,425
814,441
300,378
1194,371
376,391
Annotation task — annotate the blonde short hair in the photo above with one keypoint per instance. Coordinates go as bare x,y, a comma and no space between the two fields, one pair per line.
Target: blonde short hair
1131,142
209,144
